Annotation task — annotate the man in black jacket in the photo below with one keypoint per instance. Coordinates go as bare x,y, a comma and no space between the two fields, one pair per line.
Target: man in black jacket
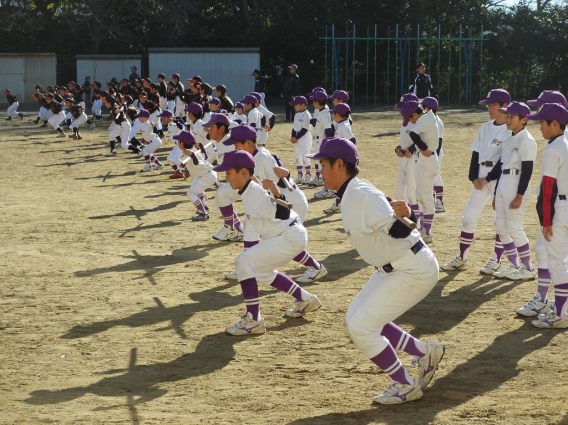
290,88
422,85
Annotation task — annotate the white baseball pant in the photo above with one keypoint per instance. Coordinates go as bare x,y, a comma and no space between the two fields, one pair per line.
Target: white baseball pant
406,180
225,196
97,107
509,222
153,146
13,109
199,184
425,174
555,251
475,205
175,156
42,113
386,296
301,149
56,119
179,108
81,119
438,181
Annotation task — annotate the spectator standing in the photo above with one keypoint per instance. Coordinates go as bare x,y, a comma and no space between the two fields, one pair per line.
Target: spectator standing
290,89
259,85
422,85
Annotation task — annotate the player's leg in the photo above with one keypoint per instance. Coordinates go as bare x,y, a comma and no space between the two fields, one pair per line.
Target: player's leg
502,201
425,175
149,156
439,185
174,158
232,229
196,193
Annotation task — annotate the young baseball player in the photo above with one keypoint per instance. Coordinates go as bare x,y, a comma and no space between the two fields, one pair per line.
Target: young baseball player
431,104
175,127
424,137
283,237
513,173
119,130
225,196
79,117
150,140
13,105
239,115
267,121
338,97
194,113
538,304
270,167
486,153
321,122
406,271
301,138
552,208
203,176
254,116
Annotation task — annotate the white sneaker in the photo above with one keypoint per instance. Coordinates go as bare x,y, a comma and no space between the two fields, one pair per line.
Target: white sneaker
139,154
158,166
247,326
60,135
439,207
504,271
522,274
551,320
92,126
228,235
322,193
534,307
231,275
302,307
428,363
426,238
315,182
111,153
312,274
455,264
331,194
299,180
307,179
200,217
491,267
146,168
333,209
398,393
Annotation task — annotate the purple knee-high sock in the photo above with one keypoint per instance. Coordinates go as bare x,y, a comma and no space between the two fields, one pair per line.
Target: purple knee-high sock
427,220
250,294
543,283
439,193
147,159
388,362
499,250
284,284
300,170
416,209
402,340
200,207
318,174
308,169
524,253
175,167
560,298
466,239
227,214
511,253
237,224
307,260
156,160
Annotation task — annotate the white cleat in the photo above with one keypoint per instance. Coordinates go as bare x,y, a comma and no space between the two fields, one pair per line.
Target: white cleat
303,307
315,182
491,267
428,363
455,264
551,321
146,168
534,307
504,271
231,275
228,235
312,274
425,237
439,207
398,393
247,326
158,166
299,180
333,209
522,274
322,193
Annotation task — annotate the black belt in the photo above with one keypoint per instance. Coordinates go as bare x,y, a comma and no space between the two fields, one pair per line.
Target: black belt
562,197
387,268
293,223
487,163
512,171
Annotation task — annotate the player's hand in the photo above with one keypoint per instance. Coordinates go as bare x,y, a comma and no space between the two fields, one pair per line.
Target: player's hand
408,154
293,140
267,128
399,152
547,232
281,172
516,203
427,153
271,186
401,208
477,184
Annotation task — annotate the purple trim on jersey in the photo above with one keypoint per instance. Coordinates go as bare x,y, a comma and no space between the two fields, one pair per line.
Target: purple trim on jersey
399,230
526,173
301,133
343,187
282,213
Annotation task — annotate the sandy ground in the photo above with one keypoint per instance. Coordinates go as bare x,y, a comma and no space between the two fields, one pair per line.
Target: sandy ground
113,303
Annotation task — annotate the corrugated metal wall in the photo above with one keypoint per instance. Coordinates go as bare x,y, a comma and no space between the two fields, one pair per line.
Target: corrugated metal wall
231,69
20,73
104,69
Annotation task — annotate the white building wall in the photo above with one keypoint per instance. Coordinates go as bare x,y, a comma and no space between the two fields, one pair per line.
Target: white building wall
21,72
103,68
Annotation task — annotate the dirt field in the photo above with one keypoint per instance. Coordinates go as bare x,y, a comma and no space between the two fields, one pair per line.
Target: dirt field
113,303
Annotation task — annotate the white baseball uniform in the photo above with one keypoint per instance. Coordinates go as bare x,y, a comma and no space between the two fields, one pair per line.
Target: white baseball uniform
202,174
304,144
438,179
254,119
262,135
175,127
406,182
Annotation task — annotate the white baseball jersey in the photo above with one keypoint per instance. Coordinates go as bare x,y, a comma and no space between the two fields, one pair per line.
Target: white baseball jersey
302,120
405,140
238,117
222,149
440,126
174,129
260,212
254,118
555,164
201,168
518,148
427,128
489,143
142,127
323,122
343,129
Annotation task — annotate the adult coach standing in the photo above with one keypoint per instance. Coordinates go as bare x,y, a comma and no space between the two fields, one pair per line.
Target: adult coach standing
259,85
422,85
290,89
406,271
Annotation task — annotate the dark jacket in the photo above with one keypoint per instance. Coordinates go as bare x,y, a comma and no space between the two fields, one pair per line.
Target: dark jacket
291,85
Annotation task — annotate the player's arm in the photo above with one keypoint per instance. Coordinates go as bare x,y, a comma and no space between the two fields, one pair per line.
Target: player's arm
418,142
439,146
377,213
398,229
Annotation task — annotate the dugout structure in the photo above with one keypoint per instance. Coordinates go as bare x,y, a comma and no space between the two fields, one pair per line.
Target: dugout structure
378,64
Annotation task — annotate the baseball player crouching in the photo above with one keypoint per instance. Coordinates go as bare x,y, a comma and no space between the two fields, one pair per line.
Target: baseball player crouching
150,139
513,173
175,127
283,237
406,271
538,304
301,138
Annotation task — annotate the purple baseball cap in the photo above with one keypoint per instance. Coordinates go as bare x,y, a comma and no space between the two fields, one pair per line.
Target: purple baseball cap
239,105
194,108
166,113
341,108
516,108
340,95
320,96
249,99
236,159
430,102
314,90
186,138
214,101
218,119
408,108
551,112
241,134
142,114
406,98
548,96
496,96
257,95
337,148
299,100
